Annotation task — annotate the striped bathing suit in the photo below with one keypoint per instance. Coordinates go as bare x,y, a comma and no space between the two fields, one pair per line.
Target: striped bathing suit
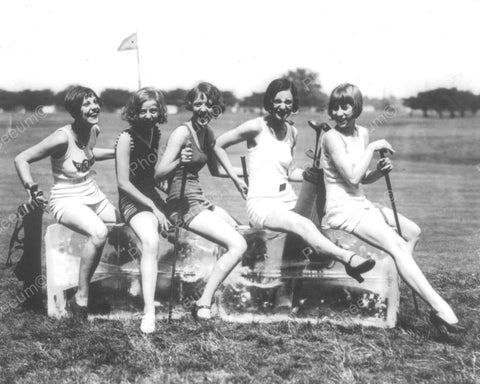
194,201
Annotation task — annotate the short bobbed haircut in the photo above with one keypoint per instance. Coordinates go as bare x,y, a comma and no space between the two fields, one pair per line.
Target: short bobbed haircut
346,93
132,109
74,99
279,85
211,92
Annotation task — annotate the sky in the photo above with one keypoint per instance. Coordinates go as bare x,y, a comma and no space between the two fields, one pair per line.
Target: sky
385,47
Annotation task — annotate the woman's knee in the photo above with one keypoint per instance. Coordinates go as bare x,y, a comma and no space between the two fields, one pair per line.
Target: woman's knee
149,244
303,226
98,236
414,232
238,246
398,247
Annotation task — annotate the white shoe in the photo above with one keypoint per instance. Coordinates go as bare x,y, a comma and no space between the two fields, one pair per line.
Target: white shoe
148,323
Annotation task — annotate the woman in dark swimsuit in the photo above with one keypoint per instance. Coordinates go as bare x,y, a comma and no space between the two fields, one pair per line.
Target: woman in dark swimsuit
140,204
190,146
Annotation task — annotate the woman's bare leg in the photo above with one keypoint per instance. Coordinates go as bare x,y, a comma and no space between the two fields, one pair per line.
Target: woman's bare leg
213,227
410,231
288,221
145,225
80,218
373,230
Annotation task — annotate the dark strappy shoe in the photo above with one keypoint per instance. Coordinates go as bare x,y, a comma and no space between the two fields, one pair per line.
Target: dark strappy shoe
355,272
443,327
196,308
79,312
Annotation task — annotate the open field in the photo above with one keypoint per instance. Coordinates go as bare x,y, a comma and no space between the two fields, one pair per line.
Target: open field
437,184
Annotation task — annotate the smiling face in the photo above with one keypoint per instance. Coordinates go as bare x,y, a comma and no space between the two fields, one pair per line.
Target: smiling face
148,114
282,105
202,109
343,115
89,110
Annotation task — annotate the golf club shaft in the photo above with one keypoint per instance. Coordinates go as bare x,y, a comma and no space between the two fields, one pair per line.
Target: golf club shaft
392,198
244,168
176,245
397,222
316,148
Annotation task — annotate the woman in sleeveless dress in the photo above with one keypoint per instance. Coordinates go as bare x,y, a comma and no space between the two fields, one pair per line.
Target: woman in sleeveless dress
75,199
270,197
136,155
189,148
345,159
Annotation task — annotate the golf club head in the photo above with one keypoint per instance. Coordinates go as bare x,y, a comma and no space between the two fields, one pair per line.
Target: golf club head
318,127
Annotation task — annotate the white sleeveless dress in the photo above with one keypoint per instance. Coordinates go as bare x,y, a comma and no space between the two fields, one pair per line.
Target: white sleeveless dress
268,164
346,205
73,183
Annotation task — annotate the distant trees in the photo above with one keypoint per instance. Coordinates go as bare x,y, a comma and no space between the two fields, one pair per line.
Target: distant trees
255,100
309,89
444,100
229,98
27,99
310,93
113,98
175,96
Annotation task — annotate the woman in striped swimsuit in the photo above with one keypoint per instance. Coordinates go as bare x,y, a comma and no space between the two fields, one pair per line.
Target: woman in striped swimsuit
136,154
75,199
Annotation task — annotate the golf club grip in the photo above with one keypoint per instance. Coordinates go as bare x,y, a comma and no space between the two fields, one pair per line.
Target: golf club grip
244,168
325,127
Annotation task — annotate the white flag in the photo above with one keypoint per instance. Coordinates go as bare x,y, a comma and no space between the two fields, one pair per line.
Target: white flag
129,43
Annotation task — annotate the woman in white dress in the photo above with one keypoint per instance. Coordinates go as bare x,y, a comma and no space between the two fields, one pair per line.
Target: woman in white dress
345,159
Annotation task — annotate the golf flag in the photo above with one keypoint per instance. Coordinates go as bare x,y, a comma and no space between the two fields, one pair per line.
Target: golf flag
129,43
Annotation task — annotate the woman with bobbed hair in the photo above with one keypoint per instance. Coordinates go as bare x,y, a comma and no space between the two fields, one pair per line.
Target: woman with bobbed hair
136,155
75,199
270,197
189,148
346,156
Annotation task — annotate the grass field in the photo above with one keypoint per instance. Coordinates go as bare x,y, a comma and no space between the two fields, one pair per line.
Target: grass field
437,184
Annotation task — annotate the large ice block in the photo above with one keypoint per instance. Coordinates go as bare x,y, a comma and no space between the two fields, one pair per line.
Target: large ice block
280,278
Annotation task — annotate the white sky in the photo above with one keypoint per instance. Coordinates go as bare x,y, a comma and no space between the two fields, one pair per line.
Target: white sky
385,47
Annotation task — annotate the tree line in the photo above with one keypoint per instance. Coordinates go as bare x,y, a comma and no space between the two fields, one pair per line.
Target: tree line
307,82
444,100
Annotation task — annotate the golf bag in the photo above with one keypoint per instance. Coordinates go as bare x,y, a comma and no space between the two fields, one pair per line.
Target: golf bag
29,268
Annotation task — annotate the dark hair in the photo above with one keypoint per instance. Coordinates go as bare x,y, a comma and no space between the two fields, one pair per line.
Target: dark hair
74,99
132,109
279,85
211,92
346,93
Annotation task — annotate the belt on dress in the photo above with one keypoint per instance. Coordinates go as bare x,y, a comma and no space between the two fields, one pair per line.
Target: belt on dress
77,180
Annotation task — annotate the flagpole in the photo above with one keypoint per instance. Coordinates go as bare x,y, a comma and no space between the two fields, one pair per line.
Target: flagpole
138,61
